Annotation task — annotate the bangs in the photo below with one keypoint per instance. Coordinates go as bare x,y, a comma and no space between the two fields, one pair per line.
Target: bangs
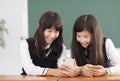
50,20
83,24
58,27
54,23
79,26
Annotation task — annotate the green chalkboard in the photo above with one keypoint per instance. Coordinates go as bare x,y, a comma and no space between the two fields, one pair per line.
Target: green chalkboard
107,13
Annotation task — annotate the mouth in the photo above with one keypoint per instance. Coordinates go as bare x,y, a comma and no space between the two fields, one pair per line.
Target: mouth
50,40
85,45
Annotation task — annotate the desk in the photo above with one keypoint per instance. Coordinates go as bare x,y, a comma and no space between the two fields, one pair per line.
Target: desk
102,78
49,78
26,78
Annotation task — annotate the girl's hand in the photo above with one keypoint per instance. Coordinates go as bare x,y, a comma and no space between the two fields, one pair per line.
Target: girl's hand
98,70
86,70
70,71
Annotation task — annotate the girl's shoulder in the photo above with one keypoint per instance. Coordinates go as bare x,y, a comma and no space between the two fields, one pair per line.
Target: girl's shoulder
108,40
64,47
26,42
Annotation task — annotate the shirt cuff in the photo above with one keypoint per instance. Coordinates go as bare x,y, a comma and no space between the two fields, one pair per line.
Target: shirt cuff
44,71
108,71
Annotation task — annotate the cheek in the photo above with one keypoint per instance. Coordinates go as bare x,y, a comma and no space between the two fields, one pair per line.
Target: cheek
78,39
45,33
57,34
89,40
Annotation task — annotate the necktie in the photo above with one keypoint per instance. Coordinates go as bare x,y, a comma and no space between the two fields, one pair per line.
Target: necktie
46,50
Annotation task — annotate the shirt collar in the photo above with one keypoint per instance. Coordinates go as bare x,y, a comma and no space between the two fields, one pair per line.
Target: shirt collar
47,47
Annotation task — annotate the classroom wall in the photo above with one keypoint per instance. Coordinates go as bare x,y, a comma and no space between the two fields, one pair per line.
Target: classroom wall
107,13
14,12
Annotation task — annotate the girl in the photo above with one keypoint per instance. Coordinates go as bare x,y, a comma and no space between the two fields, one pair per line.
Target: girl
94,54
42,54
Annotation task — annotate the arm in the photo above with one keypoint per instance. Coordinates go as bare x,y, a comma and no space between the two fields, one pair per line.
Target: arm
114,57
31,69
62,57
55,72
26,61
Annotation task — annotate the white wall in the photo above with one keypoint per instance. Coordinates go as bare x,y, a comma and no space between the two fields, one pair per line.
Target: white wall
14,12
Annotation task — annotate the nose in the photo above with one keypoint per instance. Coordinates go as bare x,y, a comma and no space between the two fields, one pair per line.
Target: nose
52,35
82,40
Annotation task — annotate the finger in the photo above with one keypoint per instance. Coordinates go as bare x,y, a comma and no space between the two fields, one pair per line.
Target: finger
97,72
65,75
95,67
87,72
66,67
69,74
69,67
65,72
94,70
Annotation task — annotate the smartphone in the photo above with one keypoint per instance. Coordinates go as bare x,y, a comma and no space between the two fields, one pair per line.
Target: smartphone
68,61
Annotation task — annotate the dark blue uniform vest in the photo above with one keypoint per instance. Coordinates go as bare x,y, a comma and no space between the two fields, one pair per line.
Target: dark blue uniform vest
48,62
107,61
86,55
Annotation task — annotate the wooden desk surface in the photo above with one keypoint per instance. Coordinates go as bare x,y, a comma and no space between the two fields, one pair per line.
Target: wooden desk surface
48,78
26,78
103,78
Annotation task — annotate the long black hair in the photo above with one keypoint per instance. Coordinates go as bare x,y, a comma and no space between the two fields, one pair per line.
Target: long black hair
89,23
47,20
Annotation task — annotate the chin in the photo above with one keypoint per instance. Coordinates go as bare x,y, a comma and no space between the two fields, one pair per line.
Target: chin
85,46
50,42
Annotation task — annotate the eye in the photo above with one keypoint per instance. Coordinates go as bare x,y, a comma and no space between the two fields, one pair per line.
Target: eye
78,36
49,30
86,37
56,31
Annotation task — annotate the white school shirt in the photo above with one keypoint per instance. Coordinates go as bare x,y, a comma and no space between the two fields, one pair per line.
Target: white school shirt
27,63
113,56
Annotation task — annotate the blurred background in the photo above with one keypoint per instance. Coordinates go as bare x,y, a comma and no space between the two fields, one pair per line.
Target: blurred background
21,19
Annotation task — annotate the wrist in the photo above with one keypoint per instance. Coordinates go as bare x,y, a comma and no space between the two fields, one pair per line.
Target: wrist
80,71
50,72
108,71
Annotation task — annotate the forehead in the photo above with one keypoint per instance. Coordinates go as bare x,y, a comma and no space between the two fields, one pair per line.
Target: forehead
84,32
52,28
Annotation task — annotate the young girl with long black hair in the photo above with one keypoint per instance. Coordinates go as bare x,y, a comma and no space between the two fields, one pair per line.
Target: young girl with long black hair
94,54
42,54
